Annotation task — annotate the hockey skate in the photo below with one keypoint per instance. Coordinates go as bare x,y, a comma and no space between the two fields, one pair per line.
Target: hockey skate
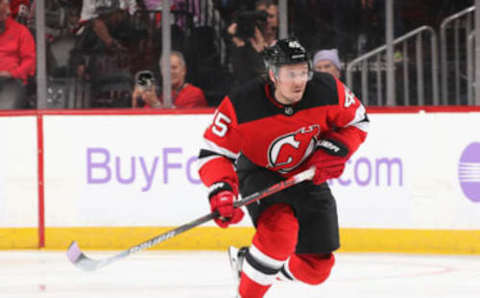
236,257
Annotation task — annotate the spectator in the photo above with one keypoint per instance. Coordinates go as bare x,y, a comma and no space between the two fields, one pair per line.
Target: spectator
93,33
184,95
246,46
17,59
100,15
20,10
327,61
270,30
104,50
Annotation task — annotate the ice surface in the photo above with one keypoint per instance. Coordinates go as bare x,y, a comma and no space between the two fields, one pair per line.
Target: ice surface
181,274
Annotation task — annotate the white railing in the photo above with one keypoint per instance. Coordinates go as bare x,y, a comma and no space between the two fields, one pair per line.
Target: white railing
460,23
378,67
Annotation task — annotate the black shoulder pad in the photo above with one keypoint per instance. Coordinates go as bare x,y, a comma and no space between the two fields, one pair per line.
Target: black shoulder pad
321,90
250,101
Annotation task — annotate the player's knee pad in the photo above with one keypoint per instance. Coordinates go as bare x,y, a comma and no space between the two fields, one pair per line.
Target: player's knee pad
277,232
311,269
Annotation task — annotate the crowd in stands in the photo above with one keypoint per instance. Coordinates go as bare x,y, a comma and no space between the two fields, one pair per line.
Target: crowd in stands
100,46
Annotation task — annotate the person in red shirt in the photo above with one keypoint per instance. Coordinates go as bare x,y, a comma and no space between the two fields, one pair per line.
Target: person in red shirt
184,95
17,59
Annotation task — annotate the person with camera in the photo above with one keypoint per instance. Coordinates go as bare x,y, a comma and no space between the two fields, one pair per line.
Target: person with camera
184,95
249,34
17,59
265,131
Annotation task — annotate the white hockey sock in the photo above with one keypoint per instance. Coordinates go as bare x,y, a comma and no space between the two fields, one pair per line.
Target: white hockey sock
261,268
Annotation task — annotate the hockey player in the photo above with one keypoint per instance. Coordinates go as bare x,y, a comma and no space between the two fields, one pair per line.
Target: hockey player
271,129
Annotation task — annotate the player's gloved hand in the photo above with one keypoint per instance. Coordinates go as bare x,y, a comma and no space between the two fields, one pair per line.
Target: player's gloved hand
326,166
329,160
221,200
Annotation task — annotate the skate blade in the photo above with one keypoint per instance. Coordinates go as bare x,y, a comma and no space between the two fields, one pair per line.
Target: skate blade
233,258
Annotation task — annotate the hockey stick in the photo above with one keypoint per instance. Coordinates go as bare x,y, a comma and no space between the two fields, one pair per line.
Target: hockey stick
79,259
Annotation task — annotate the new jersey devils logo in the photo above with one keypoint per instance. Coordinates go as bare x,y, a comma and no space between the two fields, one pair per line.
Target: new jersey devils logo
287,152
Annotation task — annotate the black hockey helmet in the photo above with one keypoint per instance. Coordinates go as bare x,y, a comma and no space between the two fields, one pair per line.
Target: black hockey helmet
286,51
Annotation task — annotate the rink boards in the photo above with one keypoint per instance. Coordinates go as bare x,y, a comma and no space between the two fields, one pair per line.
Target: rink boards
112,179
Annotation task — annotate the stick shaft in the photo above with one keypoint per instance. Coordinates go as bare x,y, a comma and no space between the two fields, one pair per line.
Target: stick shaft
94,264
302,176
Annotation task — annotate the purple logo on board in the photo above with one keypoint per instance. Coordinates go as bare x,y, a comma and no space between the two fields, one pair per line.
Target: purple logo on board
469,172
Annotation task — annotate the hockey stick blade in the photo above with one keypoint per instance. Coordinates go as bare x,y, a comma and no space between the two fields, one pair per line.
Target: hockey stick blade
80,260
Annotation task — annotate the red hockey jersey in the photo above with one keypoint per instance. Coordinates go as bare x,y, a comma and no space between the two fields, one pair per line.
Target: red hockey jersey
279,137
